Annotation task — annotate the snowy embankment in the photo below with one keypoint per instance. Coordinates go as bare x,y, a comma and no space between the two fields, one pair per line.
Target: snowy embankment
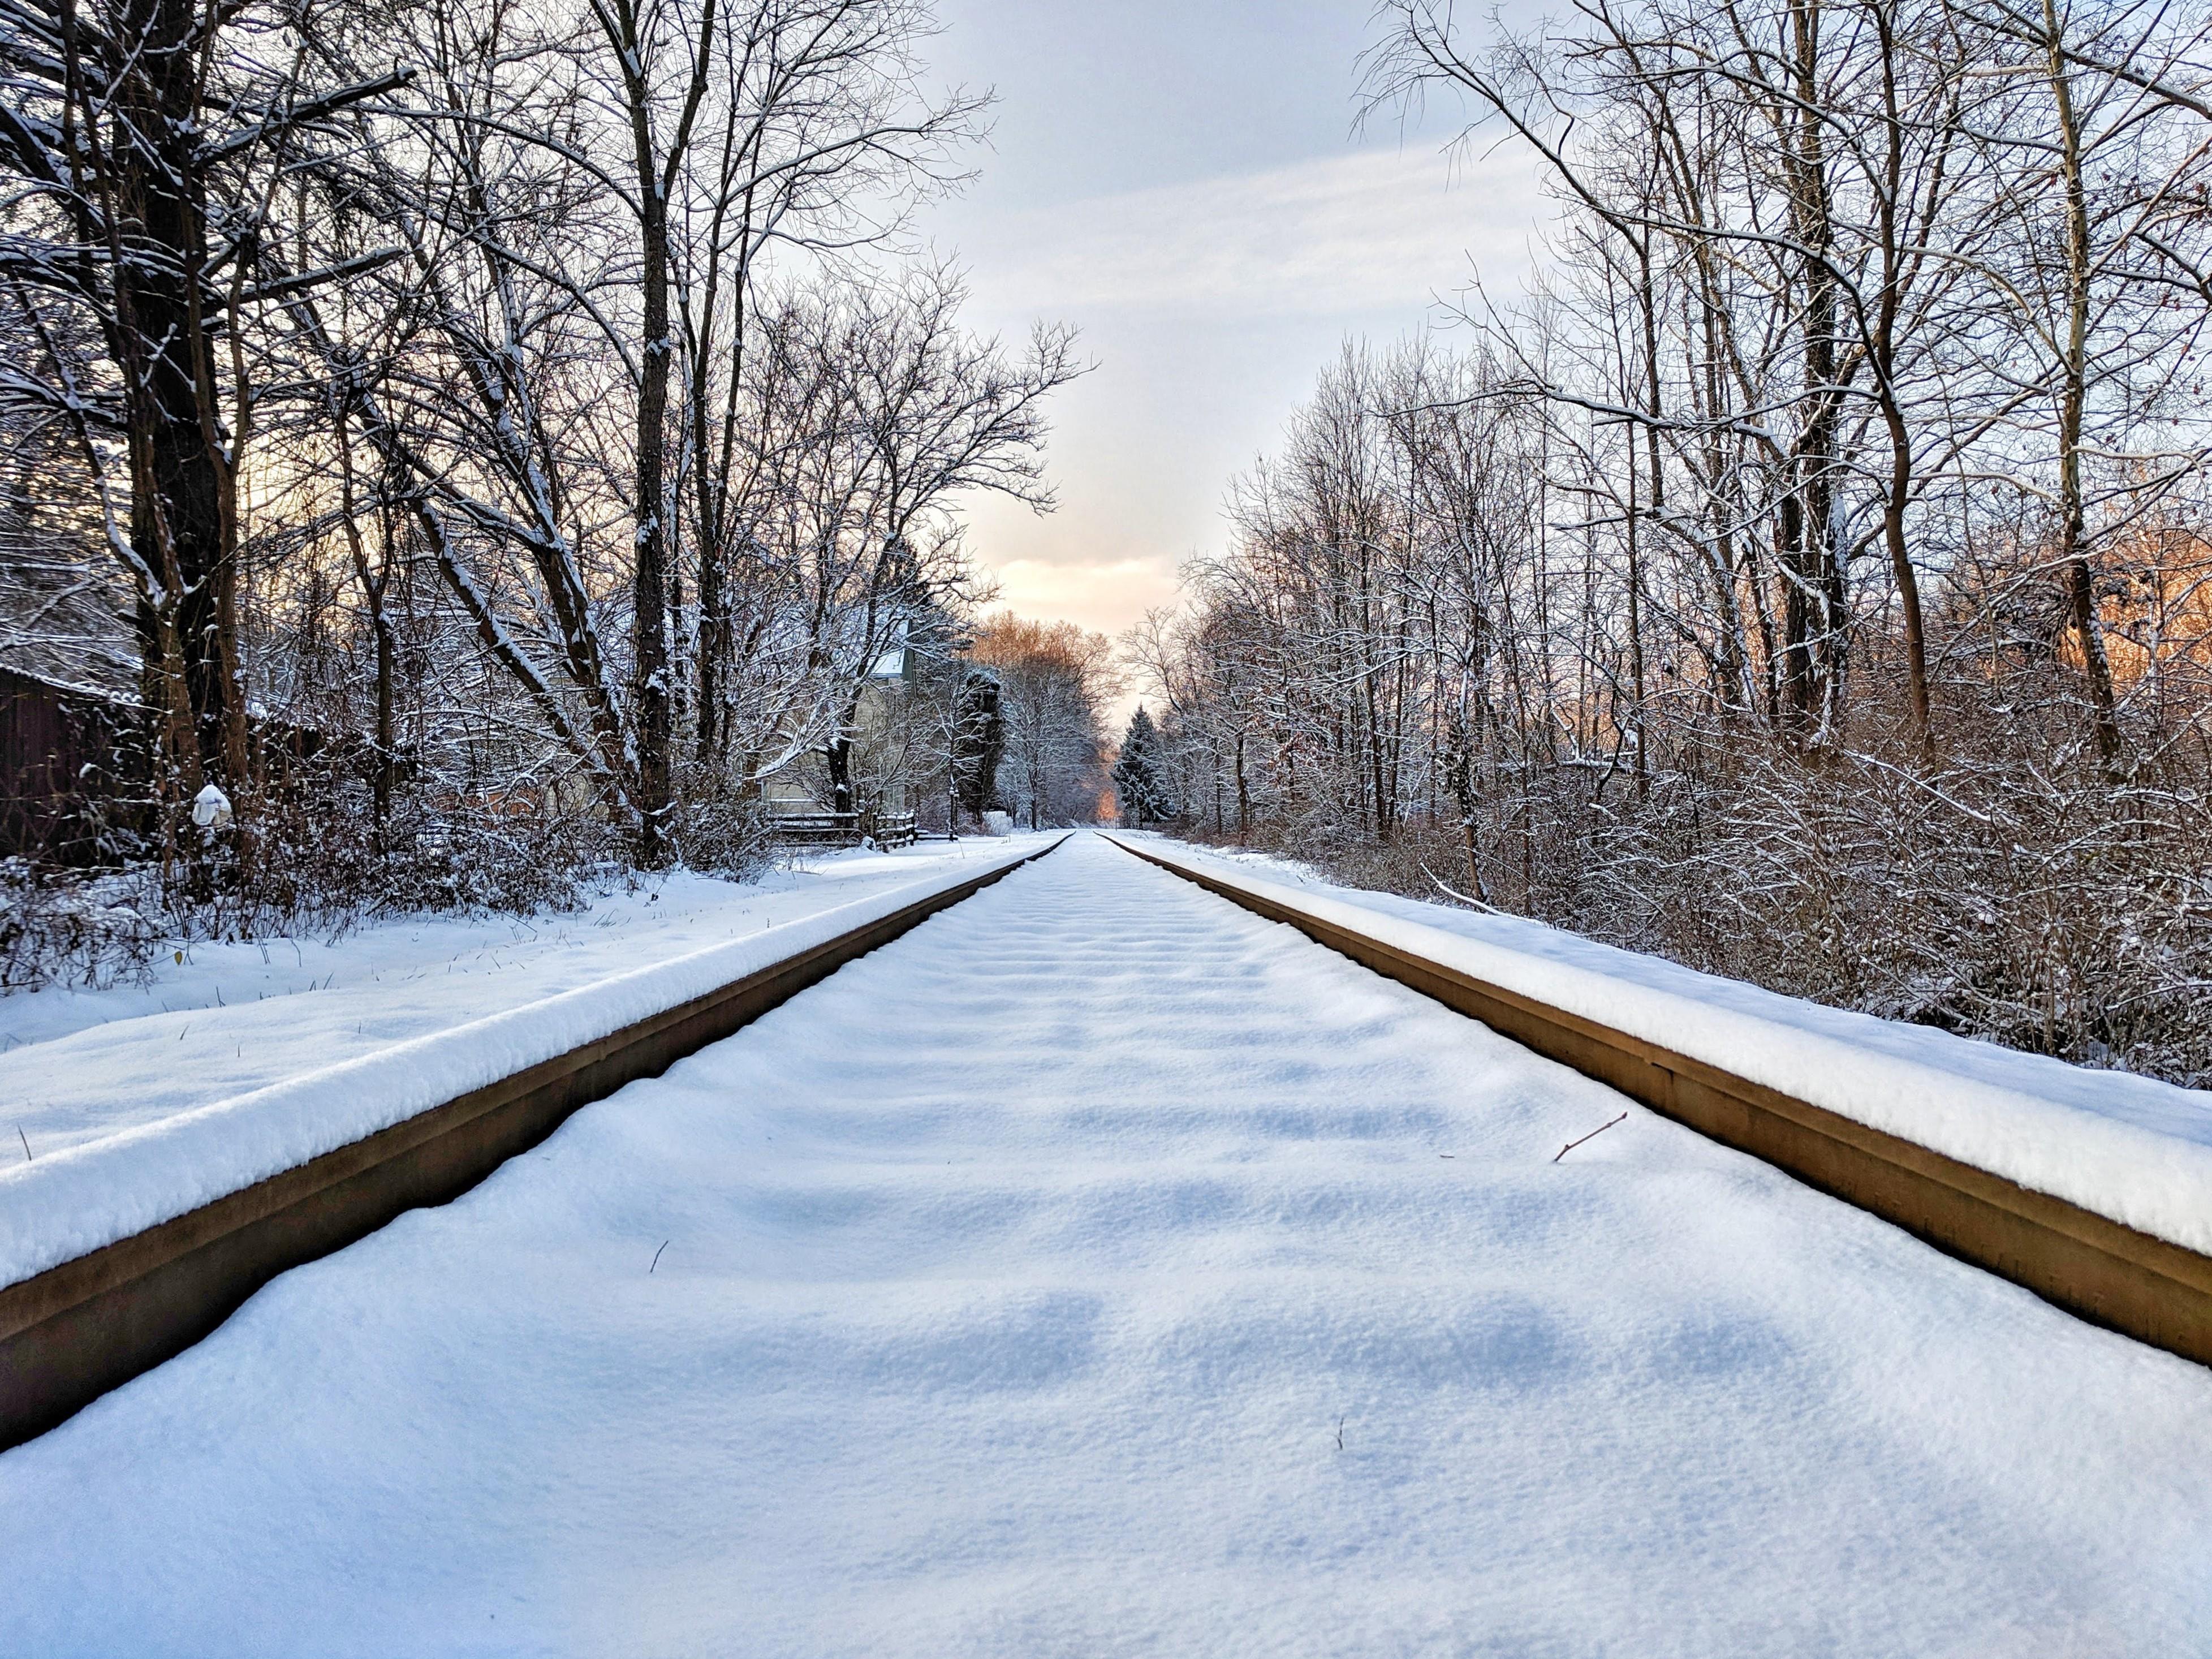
2131,1149
1100,1269
265,1056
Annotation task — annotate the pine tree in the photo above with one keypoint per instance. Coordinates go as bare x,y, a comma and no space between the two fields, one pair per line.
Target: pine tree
979,740
1141,775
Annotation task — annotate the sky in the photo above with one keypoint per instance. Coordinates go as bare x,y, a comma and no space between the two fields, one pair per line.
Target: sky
1183,183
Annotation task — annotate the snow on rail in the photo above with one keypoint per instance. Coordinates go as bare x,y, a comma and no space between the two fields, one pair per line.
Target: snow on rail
1102,1269
56,1208
2131,1149
232,1017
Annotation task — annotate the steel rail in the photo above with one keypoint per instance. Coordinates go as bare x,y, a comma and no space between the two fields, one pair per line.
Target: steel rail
2092,1266
71,1333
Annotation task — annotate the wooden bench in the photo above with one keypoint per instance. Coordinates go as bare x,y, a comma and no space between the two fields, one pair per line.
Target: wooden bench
842,829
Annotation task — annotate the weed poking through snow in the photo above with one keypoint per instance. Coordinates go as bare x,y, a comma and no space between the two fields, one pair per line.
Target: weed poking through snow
1592,1136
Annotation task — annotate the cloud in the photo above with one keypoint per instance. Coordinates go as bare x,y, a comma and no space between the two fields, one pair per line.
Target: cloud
1209,304
1373,230
1107,595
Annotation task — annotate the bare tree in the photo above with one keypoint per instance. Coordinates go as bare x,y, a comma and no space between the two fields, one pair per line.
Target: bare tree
145,142
1054,681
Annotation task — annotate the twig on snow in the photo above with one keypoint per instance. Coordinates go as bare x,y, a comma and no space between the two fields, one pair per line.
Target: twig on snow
665,1244
26,1140
1592,1136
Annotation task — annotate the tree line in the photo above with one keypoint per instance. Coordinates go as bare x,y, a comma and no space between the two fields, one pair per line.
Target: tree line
1805,576
442,420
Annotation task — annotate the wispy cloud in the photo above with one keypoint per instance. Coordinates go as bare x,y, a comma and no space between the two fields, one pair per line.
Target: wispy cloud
1369,231
1105,593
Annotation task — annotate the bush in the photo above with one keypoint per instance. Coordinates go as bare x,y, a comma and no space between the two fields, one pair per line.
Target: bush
2023,902
61,929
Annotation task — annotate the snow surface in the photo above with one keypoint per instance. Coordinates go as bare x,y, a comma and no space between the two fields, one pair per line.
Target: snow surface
1100,1270
2130,1148
234,1016
129,1123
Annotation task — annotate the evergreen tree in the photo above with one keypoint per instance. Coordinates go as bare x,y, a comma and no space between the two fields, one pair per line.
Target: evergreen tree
979,740
1141,776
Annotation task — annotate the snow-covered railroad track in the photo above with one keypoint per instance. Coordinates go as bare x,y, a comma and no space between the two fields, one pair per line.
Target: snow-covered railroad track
1100,1269
154,1236
2083,1261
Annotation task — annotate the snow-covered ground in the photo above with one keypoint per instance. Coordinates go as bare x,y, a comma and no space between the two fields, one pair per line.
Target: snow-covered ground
131,1133
1102,1270
2132,1148
80,1064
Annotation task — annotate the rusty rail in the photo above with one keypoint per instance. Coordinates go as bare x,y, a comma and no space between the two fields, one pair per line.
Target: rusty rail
2097,1268
71,1333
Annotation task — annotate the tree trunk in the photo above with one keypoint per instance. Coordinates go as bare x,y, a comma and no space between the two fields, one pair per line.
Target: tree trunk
837,756
179,526
649,618
2073,527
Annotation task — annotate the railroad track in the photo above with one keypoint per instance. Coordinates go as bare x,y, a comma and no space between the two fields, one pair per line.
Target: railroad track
2094,1267
1103,1268
72,1332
